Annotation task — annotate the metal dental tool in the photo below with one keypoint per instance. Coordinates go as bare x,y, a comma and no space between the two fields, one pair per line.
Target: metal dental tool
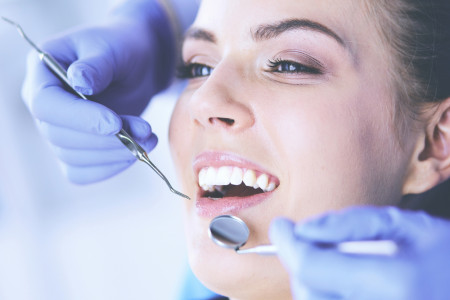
122,135
231,232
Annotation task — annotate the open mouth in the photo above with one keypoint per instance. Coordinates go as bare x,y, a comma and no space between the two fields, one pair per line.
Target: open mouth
229,181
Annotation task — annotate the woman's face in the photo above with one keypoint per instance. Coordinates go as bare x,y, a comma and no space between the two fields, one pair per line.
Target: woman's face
293,99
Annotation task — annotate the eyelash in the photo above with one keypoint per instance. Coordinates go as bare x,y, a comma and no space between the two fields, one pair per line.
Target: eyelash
191,70
286,65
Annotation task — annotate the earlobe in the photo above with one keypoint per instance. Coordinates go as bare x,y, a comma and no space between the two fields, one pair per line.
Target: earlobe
430,164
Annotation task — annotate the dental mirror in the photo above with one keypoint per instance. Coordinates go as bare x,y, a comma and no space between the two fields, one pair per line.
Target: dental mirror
228,232
231,232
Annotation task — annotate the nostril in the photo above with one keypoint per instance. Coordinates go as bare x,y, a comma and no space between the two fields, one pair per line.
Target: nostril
227,121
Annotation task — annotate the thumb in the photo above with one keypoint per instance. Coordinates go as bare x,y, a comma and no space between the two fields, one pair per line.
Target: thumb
91,75
281,234
140,130
363,223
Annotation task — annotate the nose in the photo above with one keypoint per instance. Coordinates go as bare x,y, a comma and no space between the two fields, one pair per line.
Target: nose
220,103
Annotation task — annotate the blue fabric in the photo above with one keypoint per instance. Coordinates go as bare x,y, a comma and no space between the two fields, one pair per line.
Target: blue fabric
193,289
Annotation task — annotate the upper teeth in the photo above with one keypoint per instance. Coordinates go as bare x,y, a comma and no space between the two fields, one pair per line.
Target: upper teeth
209,178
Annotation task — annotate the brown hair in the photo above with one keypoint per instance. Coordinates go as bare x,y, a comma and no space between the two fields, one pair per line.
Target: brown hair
417,33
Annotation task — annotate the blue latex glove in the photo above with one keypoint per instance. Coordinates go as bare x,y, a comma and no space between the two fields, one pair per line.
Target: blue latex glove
420,270
122,63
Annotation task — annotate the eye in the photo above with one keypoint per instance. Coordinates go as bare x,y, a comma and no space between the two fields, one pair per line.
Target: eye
193,70
291,67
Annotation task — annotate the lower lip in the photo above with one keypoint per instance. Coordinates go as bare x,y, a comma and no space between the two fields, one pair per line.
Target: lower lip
207,207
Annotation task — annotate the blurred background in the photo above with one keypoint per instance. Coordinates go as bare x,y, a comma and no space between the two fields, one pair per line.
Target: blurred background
119,239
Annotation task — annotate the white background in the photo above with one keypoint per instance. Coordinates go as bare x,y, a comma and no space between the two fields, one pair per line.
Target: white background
119,239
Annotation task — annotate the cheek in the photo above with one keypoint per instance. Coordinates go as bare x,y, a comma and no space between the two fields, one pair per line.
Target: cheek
180,138
179,135
334,152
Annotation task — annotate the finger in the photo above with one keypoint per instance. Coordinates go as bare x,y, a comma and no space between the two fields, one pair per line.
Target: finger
76,140
47,100
89,61
349,276
62,49
281,234
37,75
137,127
292,251
86,158
92,174
91,75
293,254
333,273
362,223
141,131
55,106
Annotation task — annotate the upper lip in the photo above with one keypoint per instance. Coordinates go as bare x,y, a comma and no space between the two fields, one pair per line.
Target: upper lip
218,159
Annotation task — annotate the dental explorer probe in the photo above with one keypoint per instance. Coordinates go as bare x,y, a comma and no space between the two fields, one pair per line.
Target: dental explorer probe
231,232
122,135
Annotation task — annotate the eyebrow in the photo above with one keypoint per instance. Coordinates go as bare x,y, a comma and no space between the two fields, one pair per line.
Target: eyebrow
269,31
200,34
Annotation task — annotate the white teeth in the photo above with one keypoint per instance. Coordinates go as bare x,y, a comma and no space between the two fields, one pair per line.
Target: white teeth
208,188
211,179
271,187
263,181
249,178
236,176
202,177
223,176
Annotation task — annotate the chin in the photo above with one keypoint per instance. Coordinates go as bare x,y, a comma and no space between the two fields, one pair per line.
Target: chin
227,273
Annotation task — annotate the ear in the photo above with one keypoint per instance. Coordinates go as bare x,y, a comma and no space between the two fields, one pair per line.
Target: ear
430,164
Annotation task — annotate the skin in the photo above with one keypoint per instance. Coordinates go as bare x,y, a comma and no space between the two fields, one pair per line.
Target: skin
329,138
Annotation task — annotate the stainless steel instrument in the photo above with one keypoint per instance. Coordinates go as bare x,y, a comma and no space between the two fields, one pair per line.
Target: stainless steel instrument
122,135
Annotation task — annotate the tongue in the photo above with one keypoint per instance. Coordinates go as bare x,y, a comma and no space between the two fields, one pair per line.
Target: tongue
234,191
240,191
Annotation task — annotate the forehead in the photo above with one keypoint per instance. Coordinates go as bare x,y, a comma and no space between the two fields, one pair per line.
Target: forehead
239,17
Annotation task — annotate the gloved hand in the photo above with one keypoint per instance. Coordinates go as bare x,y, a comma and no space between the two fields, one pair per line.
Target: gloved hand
120,64
420,270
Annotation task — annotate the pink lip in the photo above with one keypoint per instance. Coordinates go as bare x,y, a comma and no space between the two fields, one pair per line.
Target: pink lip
210,208
207,207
